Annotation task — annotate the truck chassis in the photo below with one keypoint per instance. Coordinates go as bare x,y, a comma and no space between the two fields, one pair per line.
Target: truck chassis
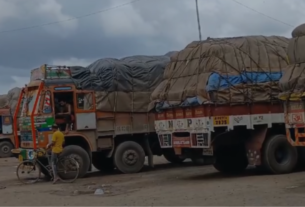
236,136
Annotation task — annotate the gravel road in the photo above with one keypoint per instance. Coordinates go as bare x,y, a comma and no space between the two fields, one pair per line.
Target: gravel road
166,185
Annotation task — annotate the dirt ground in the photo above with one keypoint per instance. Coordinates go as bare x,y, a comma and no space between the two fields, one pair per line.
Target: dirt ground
166,185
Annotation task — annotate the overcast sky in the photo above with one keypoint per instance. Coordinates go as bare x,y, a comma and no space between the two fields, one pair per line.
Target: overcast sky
148,27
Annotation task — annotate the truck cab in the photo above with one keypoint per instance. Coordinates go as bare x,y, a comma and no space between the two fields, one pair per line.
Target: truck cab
37,111
6,133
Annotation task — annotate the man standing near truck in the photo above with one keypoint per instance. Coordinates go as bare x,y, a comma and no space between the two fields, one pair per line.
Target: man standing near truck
58,140
65,113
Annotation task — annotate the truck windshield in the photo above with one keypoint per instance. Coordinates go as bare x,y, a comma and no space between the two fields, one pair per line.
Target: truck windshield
30,100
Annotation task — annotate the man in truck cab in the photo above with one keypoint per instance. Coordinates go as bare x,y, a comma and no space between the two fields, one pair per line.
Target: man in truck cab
58,140
64,112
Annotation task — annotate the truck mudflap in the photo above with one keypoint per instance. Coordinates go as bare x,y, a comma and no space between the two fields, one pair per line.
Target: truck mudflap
254,145
295,122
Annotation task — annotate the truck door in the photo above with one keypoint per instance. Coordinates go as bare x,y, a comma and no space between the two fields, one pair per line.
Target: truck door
7,124
85,117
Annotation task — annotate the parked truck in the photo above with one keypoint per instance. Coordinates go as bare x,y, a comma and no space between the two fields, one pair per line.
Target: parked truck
293,89
7,104
6,133
219,98
110,127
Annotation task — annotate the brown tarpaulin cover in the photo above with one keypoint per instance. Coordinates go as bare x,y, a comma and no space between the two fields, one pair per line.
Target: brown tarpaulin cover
293,80
226,56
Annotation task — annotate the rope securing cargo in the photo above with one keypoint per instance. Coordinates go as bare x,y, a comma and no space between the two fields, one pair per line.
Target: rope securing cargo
232,70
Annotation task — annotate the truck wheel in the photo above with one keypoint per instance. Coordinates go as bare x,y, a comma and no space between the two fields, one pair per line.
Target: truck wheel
5,149
102,163
129,157
231,159
170,156
278,155
301,159
80,155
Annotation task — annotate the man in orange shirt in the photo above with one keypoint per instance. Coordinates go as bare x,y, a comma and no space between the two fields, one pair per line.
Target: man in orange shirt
58,140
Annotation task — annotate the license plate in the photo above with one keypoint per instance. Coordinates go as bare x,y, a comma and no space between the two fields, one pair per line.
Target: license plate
181,142
208,152
220,120
295,106
20,157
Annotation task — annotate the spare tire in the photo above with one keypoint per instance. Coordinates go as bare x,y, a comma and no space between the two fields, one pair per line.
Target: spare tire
279,156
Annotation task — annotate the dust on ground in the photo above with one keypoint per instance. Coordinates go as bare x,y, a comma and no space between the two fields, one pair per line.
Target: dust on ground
165,185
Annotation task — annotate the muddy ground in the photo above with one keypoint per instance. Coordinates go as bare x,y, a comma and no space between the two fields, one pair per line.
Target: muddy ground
166,185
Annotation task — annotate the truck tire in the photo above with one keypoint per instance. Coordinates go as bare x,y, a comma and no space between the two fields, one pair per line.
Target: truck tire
301,159
80,155
129,157
279,156
169,155
231,159
102,163
5,149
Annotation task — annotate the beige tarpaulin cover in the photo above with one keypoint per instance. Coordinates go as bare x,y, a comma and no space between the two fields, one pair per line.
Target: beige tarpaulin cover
293,81
10,99
225,56
3,101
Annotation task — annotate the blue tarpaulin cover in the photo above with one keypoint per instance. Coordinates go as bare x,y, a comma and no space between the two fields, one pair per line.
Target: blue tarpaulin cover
234,70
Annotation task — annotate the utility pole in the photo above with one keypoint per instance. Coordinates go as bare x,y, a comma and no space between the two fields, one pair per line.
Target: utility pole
198,20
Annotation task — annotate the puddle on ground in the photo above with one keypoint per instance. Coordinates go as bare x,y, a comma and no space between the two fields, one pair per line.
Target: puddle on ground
93,190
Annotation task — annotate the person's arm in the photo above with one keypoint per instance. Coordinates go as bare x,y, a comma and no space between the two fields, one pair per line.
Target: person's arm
69,109
54,138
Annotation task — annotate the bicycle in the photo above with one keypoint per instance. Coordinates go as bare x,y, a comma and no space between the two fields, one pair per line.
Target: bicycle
63,164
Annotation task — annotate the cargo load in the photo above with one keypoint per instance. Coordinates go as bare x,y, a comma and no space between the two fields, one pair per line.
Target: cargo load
2,101
232,71
292,82
10,99
8,103
122,85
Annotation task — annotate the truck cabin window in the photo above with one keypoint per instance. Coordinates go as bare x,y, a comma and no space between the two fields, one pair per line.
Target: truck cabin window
84,101
64,115
30,100
47,103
